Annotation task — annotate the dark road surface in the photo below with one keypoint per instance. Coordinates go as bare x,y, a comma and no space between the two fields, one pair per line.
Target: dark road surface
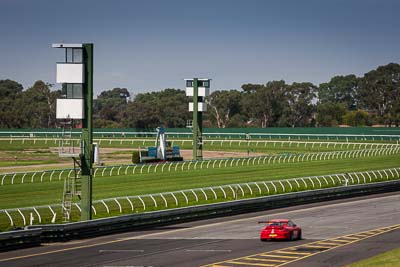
221,240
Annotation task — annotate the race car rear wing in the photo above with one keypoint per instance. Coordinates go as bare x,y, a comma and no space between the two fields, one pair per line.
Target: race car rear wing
270,222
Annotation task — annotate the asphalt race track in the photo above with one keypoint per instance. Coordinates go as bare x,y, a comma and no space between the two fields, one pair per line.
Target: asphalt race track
231,241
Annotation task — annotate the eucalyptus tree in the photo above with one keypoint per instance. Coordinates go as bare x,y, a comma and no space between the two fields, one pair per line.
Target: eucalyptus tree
223,105
340,90
168,107
299,107
37,106
380,93
264,103
10,91
109,106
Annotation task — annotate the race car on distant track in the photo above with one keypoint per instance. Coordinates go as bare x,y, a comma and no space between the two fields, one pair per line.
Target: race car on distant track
282,229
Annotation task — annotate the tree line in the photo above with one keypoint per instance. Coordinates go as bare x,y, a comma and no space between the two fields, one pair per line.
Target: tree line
373,99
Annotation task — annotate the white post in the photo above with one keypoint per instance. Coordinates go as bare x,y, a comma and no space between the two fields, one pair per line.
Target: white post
96,153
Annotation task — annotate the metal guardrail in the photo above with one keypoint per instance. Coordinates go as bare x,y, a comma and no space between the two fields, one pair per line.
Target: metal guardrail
17,239
197,196
65,232
132,169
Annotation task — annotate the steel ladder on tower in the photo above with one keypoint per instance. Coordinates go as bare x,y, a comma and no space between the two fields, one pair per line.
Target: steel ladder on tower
72,184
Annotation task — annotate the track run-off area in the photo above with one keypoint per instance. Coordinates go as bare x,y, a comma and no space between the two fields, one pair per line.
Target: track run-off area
335,233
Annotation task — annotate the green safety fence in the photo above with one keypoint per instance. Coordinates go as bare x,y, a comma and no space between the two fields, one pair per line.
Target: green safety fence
329,133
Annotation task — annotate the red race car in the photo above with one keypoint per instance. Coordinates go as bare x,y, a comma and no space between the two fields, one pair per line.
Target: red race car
282,229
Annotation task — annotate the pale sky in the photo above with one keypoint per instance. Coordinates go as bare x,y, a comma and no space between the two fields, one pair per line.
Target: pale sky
150,45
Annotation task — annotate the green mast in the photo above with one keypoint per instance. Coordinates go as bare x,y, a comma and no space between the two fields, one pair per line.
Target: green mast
87,135
199,89
196,132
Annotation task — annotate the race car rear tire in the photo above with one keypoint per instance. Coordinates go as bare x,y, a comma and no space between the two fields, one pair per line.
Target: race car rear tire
299,236
291,236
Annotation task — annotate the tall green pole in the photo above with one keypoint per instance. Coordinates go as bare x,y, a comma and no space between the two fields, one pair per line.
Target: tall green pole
200,137
195,117
197,124
87,135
